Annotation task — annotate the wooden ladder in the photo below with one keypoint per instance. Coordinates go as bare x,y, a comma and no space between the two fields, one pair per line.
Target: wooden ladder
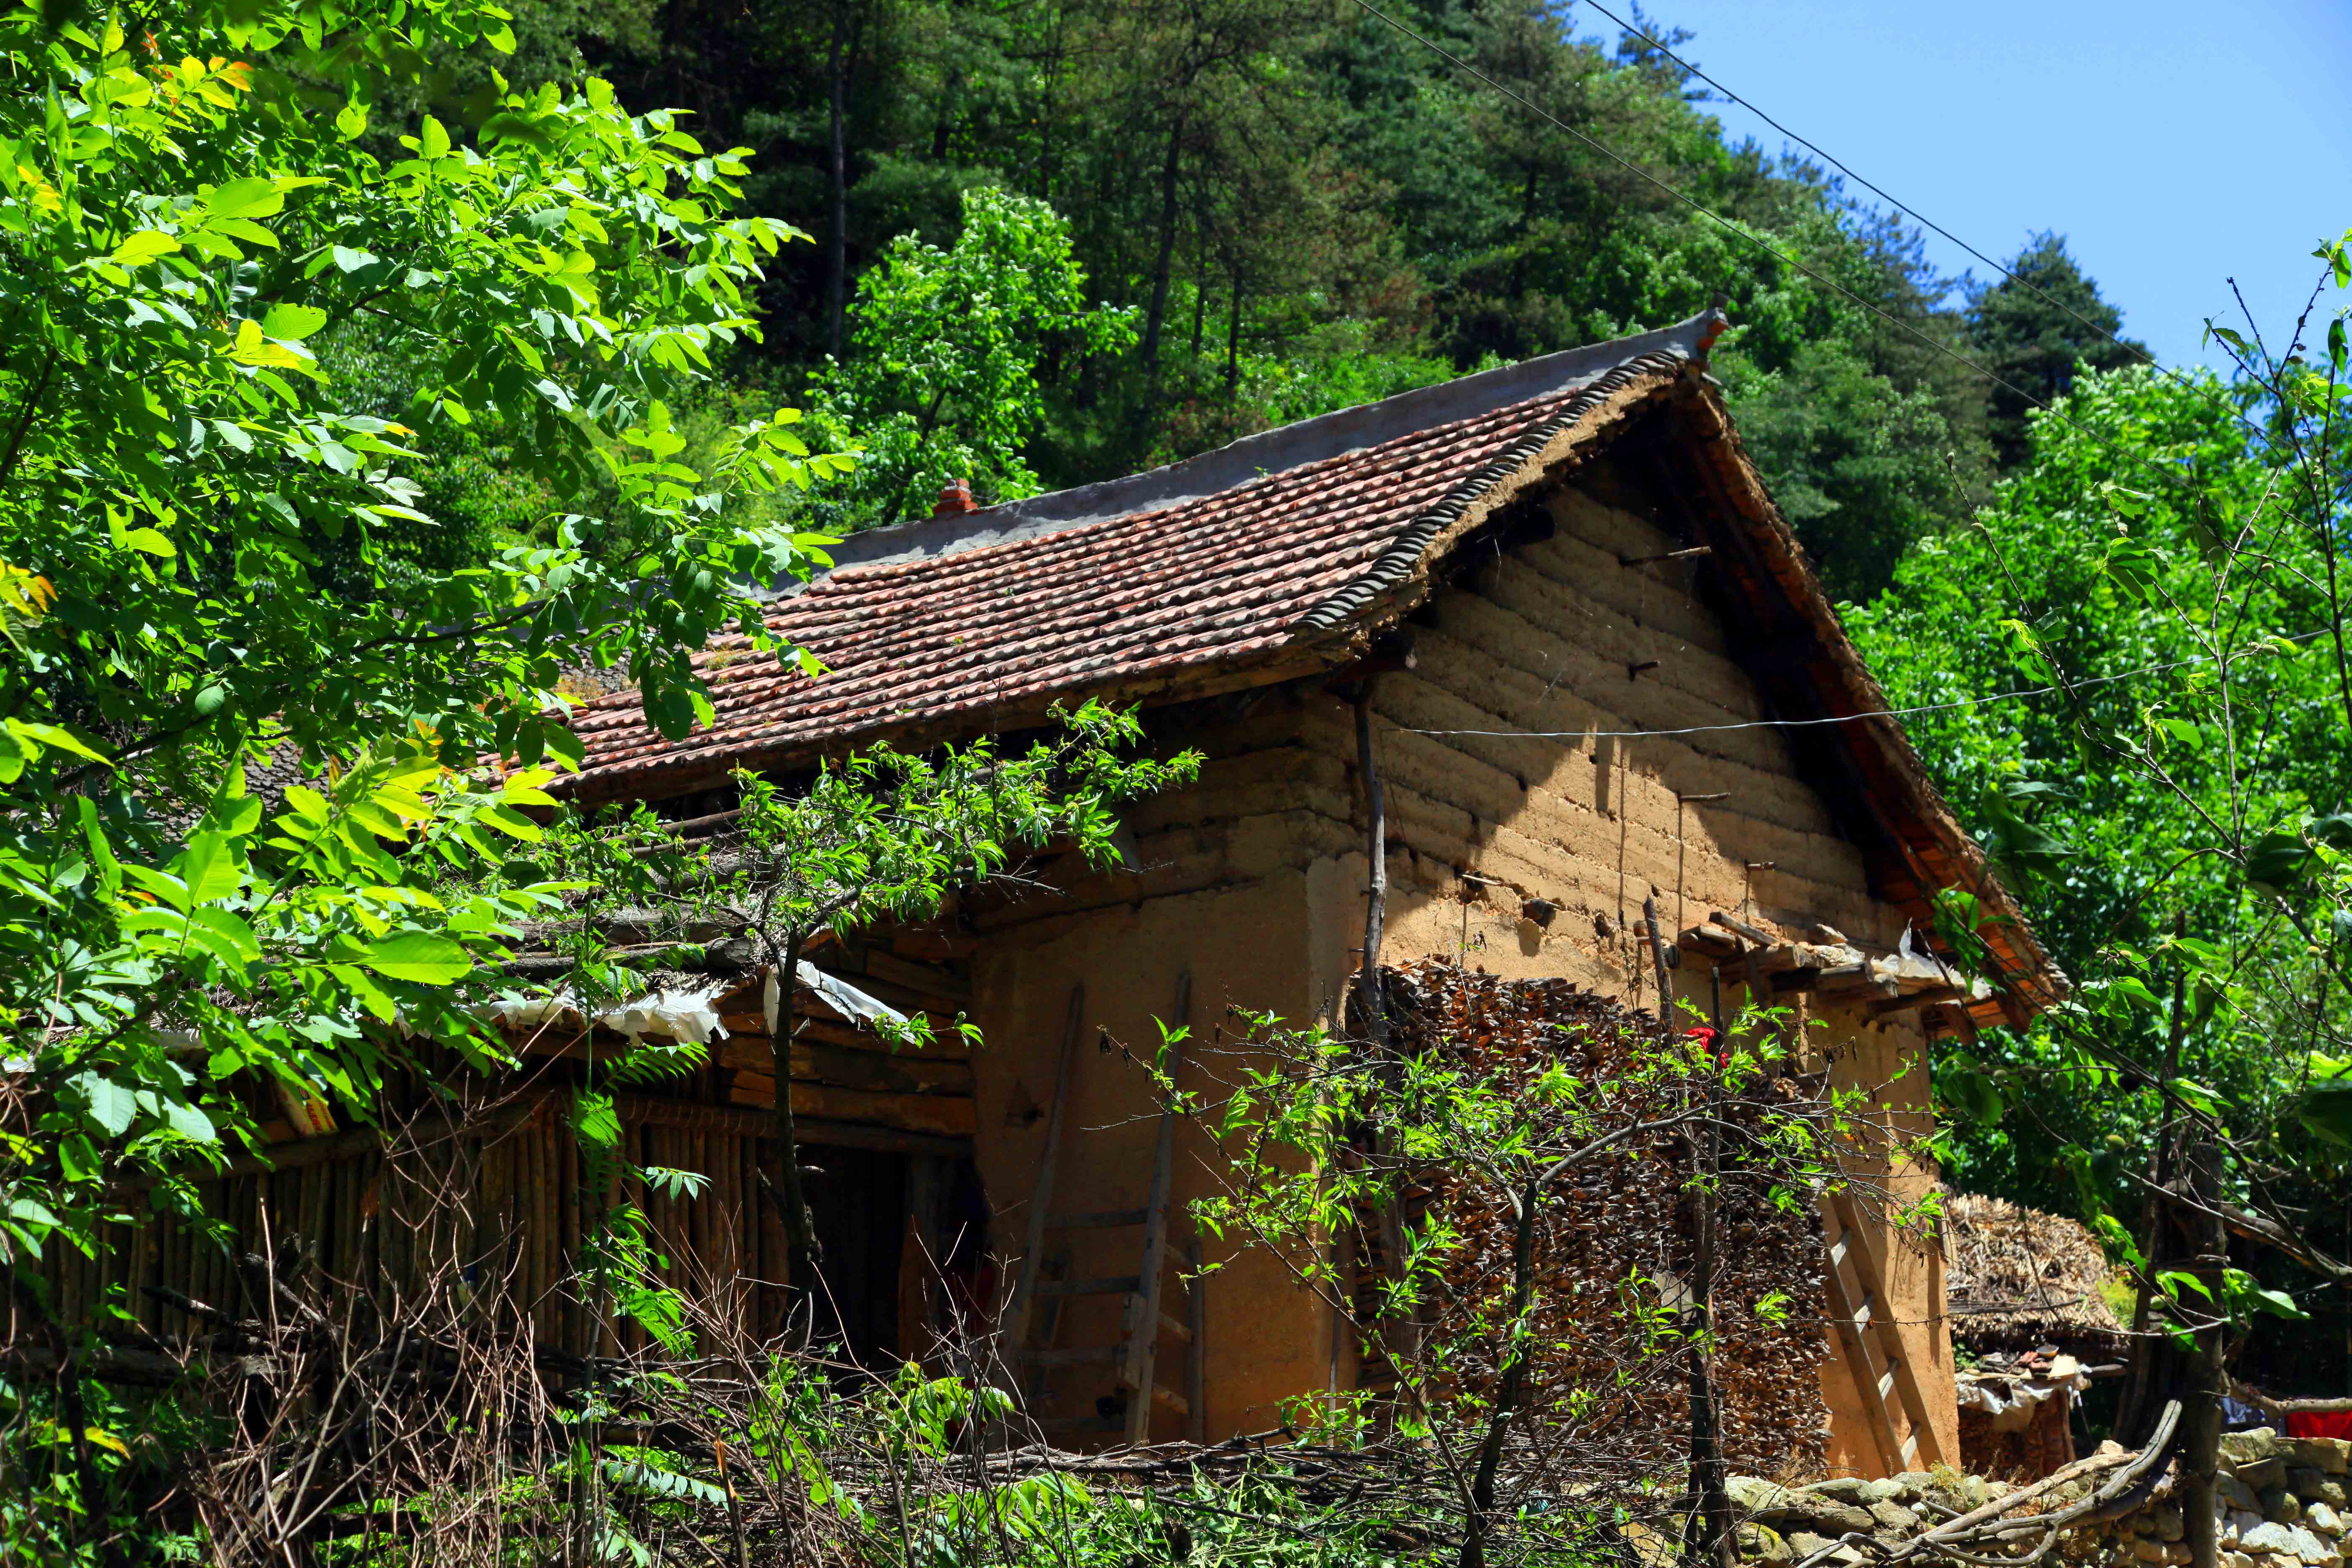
1134,1359
1872,1344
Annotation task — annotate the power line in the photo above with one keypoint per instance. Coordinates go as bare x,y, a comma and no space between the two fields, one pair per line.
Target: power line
1903,208
2017,695
1767,247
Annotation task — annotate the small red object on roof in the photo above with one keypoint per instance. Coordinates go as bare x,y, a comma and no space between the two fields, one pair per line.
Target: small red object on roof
954,499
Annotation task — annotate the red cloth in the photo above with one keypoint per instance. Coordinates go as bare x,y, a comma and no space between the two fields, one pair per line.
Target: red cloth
1705,1036
2319,1423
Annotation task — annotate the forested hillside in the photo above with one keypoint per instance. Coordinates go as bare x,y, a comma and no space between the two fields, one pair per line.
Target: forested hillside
1294,206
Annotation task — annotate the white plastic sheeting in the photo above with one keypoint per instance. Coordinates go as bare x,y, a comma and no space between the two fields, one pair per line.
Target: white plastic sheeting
2009,1399
840,995
688,1014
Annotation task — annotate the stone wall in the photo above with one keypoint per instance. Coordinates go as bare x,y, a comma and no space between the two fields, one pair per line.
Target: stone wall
2282,1506
2282,1501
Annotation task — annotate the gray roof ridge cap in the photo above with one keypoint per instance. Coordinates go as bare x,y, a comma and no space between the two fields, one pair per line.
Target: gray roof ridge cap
1278,450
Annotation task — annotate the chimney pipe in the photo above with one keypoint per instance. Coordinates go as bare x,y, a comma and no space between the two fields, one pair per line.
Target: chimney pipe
954,499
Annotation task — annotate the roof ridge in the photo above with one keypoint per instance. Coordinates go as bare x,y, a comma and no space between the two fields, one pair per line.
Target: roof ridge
1268,452
1397,562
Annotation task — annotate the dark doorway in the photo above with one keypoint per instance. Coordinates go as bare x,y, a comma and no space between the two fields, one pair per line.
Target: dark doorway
859,1206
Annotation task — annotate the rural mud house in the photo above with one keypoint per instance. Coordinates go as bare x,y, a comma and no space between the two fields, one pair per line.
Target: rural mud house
1596,671
1573,607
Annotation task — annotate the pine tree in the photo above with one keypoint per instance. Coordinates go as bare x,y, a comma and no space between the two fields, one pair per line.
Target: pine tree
2035,330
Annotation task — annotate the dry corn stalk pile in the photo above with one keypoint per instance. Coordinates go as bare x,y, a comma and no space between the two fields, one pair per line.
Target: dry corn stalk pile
1614,1240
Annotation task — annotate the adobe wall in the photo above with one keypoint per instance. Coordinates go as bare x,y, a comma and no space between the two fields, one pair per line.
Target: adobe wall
1256,877
1546,639
1221,893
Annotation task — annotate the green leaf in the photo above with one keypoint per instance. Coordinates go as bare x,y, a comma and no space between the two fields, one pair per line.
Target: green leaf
188,1121
595,1119
55,736
244,229
209,867
2278,1303
170,889
351,120
377,820
292,321
512,823
2176,1280
565,747
664,1483
432,140
109,1104
152,541
142,246
2324,1109
2279,860
235,818
226,935
253,197
2196,1094
419,956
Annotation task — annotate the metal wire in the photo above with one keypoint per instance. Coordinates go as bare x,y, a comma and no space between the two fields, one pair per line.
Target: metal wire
1903,208
2017,695
1763,244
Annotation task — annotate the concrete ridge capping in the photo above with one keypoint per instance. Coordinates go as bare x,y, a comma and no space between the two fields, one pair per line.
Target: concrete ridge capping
1274,451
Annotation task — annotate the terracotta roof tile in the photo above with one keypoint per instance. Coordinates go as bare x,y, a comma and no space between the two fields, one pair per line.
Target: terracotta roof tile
1057,608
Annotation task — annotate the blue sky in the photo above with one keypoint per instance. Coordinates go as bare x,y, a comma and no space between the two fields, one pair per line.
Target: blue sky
2174,145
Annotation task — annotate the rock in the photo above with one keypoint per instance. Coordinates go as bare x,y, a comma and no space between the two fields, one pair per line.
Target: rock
1842,1488
1886,1491
2329,1491
2262,1474
2315,1553
2307,1483
1760,1498
1892,1519
2323,1519
2245,1521
2169,1525
2240,1447
2265,1536
1804,1543
2178,1553
1760,1543
2329,1455
1914,1483
2236,1560
2236,1493
2281,1504
2147,1551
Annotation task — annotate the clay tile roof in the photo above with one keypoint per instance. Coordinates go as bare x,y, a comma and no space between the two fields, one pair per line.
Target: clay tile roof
1281,555
1226,561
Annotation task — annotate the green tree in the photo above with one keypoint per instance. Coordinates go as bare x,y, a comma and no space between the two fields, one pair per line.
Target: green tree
2037,330
2140,694
205,558
941,382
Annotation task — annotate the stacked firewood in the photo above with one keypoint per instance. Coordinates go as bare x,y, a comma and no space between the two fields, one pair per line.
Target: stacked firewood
1614,1232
